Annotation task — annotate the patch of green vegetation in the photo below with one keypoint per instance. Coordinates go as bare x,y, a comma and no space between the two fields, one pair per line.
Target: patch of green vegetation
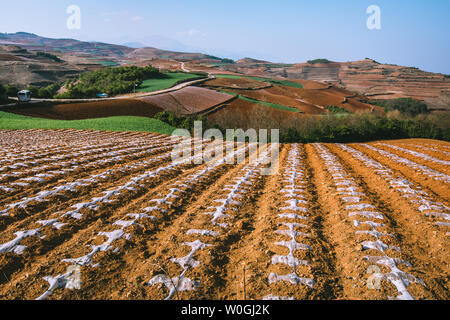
169,80
3,96
47,92
13,121
277,65
48,56
183,122
229,92
405,105
360,128
337,110
263,103
108,63
11,91
272,81
112,81
269,104
318,61
220,64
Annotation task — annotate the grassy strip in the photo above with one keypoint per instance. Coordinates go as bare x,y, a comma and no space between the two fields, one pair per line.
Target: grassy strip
272,81
263,103
269,104
171,79
11,121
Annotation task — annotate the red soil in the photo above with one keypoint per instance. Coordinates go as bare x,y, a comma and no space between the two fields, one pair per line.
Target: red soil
88,110
189,100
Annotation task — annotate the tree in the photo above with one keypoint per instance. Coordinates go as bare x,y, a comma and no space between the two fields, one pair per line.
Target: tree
3,96
11,91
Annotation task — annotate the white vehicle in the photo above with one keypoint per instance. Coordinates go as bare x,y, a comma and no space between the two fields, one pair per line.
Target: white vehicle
24,96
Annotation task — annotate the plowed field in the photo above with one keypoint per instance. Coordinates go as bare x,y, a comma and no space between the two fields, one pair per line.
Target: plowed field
103,215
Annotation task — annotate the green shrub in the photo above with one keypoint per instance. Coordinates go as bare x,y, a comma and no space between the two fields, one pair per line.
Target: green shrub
3,96
336,109
359,128
405,105
318,61
49,56
11,91
112,81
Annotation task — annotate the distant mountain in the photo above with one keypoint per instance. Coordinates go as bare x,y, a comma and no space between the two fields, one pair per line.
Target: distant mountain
31,41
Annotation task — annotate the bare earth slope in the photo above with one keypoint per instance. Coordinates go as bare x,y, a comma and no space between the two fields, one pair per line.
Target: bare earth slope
189,100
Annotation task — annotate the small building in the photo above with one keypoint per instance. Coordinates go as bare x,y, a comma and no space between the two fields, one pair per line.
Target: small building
24,96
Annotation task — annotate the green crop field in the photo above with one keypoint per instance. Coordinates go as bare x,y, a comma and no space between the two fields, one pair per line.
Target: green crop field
108,63
11,121
171,79
269,104
272,81
263,103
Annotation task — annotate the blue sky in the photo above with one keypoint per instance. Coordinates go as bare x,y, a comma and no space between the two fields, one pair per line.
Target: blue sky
413,32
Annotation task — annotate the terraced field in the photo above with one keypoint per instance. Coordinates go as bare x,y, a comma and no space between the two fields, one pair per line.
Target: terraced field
335,221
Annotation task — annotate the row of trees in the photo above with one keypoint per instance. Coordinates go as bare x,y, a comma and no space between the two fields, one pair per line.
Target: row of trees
11,91
407,106
336,109
336,128
3,96
46,92
112,81
368,128
318,61
183,122
48,56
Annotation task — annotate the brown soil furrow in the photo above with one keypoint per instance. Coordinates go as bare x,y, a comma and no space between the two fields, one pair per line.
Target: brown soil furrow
441,166
67,157
31,201
79,168
124,274
289,258
75,168
56,153
40,143
430,180
367,248
221,220
123,226
421,241
427,149
415,197
69,222
70,193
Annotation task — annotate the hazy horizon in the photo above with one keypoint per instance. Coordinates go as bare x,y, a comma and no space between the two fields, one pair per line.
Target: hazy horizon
413,33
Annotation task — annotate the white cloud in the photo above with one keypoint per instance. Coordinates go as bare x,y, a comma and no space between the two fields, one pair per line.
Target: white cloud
136,18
